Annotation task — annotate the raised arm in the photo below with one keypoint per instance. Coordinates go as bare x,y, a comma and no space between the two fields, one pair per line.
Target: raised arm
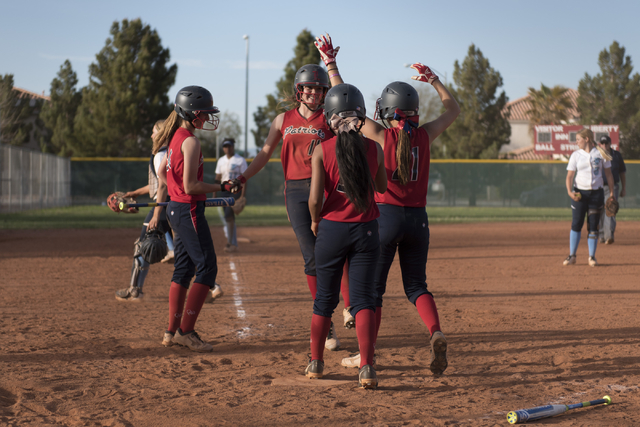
452,109
371,129
270,145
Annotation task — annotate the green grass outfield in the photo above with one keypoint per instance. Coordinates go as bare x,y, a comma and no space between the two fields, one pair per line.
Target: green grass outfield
257,216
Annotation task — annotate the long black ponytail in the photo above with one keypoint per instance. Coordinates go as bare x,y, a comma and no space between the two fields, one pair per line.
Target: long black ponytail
355,176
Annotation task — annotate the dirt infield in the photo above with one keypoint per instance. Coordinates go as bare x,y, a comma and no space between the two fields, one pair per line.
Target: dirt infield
523,331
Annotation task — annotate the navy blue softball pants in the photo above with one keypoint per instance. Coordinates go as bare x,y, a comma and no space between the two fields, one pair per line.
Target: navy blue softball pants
357,242
296,196
590,204
194,252
406,230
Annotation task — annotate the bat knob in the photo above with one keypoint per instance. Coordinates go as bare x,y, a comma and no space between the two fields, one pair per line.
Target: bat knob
121,206
512,417
608,400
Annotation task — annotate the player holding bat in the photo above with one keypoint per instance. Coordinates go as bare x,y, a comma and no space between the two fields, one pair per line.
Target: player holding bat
182,169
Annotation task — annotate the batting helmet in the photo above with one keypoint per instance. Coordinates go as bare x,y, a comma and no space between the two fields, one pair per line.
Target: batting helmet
396,95
310,75
346,100
153,248
192,100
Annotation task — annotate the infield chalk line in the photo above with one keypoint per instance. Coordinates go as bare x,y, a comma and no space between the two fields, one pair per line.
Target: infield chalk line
237,300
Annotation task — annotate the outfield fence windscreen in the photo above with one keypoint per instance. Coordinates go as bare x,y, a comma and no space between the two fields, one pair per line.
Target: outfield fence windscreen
493,183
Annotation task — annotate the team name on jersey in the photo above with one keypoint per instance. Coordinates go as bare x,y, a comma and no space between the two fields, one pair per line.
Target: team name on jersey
310,130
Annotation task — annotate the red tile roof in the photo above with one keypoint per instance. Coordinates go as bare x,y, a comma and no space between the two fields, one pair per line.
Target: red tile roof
520,106
23,93
525,153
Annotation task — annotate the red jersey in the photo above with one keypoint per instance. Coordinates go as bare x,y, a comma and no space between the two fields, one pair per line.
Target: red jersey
337,206
175,169
299,137
413,193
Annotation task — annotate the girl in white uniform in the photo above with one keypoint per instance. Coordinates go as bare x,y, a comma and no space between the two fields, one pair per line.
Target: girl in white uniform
584,186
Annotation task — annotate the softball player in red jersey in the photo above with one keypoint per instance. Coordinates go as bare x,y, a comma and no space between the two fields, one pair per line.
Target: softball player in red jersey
301,130
347,170
404,224
182,169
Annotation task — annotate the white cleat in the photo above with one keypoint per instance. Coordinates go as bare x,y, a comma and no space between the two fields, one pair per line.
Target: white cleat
216,292
332,343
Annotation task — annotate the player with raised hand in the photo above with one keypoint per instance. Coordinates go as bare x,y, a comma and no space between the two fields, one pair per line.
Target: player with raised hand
404,224
347,170
301,129
183,172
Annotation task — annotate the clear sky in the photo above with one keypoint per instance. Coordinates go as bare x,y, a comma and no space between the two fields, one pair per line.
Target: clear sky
550,42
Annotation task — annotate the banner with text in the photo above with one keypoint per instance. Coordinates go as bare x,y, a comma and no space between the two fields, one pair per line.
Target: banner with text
561,139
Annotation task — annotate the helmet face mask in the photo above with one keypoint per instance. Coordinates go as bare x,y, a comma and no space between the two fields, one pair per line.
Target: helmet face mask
310,75
205,121
195,105
397,95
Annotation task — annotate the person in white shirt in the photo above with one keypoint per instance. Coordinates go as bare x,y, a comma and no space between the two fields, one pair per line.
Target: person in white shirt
229,167
587,167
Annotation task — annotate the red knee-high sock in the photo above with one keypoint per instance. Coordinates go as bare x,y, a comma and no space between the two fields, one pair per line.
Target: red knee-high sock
312,281
366,332
428,312
344,285
378,321
195,300
319,330
177,296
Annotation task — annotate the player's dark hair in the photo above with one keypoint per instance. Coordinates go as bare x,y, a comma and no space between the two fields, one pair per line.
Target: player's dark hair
403,156
355,176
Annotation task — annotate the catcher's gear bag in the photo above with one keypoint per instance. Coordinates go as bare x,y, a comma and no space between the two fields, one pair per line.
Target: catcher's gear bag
153,248
239,205
611,207
113,201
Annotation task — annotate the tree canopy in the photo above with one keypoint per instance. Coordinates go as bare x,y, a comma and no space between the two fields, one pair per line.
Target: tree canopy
305,52
127,93
14,112
481,129
548,106
613,97
59,114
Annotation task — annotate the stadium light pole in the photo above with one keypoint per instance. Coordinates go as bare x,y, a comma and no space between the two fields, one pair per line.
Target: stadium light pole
246,101
439,73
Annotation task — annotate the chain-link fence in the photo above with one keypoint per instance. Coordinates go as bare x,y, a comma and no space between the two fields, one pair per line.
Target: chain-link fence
451,183
33,180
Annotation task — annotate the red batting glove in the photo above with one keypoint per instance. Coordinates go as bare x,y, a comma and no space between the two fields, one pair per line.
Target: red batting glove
424,73
327,51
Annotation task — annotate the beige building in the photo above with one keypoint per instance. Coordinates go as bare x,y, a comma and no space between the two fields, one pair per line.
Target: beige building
521,142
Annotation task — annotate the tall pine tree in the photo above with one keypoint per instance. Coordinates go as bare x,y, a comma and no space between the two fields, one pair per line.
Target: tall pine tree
14,112
127,93
613,97
59,114
481,129
305,52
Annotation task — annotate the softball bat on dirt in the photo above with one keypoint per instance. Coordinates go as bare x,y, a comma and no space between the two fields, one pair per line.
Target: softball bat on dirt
220,201
524,415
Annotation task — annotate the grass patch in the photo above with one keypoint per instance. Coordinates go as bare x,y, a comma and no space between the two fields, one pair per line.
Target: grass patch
258,216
